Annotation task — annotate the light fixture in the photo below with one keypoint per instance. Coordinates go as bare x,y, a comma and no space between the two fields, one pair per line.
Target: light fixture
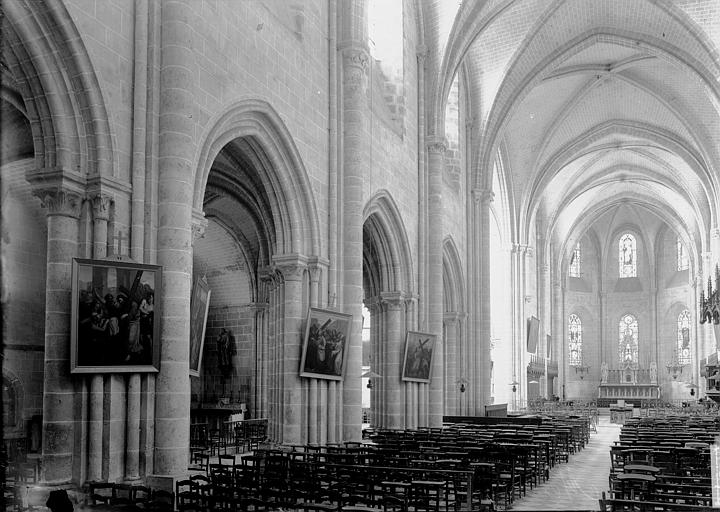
582,369
462,384
674,367
692,387
370,375
514,385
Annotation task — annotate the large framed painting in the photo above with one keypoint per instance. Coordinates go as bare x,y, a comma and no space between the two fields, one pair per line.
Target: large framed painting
417,363
325,344
115,321
199,306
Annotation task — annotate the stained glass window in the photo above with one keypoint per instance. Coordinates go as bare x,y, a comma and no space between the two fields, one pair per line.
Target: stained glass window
575,340
682,257
627,256
628,340
575,262
683,337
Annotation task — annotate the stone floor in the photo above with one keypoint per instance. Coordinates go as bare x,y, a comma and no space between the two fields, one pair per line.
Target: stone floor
577,485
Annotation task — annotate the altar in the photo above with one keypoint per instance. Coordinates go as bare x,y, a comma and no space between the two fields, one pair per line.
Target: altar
630,383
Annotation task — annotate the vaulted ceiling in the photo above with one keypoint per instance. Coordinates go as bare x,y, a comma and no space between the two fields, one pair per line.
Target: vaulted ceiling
591,103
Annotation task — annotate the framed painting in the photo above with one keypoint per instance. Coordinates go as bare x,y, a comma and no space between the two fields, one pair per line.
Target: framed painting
417,363
199,306
115,321
325,344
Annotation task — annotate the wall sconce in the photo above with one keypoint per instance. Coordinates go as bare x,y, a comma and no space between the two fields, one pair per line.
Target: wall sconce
692,387
514,385
462,384
370,375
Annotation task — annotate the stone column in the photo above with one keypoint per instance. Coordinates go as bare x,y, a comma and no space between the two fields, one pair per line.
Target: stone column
544,298
176,153
436,162
63,212
355,164
292,268
393,328
101,215
482,199
453,357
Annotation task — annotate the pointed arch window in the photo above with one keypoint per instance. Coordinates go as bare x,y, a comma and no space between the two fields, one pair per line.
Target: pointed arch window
682,257
683,337
627,255
575,261
628,340
575,340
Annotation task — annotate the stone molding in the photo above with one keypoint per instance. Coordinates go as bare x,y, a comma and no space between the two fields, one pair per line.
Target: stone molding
453,317
355,67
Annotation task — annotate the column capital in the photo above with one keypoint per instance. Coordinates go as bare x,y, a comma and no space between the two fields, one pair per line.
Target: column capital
436,144
520,248
715,232
483,195
355,60
393,300
101,206
315,265
60,202
453,317
421,52
290,266
198,225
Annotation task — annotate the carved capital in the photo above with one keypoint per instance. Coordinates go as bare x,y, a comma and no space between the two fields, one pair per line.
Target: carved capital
60,202
101,207
436,145
483,195
392,300
519,248
452,317
355,67
291,266
715,232
198,225
315,265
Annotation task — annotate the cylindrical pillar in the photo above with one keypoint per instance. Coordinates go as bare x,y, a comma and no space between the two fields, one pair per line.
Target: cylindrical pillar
355,164
436,161
452,399
175,156
132,435
292,270
392,303
63,211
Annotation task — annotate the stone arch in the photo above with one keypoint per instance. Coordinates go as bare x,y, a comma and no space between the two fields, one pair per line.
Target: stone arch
281,171
383,224
455,344
387,283
63,99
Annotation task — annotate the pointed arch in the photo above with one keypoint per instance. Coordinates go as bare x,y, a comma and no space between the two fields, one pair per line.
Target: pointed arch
63,100
385,246
453,278
281,171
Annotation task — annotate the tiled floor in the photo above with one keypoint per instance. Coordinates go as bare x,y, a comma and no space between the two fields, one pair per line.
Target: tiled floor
578,484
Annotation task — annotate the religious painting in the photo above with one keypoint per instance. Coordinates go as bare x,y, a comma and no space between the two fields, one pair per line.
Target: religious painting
417,363
325,344
199,305
115,321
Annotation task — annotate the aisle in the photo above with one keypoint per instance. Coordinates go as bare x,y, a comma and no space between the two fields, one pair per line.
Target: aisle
578,484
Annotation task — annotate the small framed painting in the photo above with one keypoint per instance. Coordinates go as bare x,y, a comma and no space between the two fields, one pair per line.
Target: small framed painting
115,322
325,344
199,306
417,363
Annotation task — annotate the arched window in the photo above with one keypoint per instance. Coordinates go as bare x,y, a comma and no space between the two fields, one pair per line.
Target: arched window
575,340
575,261
628,340
682,257
627,256
683,337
